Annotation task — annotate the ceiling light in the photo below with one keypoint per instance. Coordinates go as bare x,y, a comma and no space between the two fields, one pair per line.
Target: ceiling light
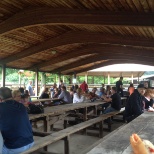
54,52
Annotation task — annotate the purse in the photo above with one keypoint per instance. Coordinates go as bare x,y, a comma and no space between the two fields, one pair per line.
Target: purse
35,109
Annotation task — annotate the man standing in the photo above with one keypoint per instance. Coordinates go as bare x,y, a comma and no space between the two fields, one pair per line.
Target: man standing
14,124
84,86
135,105
114,100
30,89
119,86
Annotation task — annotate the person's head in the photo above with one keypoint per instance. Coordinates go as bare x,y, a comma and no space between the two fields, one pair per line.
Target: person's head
54,85
149,93
63,88
26,92
16,94
30,82
79,91
5,93
141,89
94,90
103,85
146,85
108,87
113,90
76,87
46,90
121,78
131,85
56,89
71,89
21,90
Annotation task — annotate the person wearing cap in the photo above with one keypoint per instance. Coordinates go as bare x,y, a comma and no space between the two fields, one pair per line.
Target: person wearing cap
135,105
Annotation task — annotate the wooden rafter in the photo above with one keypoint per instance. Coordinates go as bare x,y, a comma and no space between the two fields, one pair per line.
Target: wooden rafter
98,48
109,62
100,57
37,16
79,37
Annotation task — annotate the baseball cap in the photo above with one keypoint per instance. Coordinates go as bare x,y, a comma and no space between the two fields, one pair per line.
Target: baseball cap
141,86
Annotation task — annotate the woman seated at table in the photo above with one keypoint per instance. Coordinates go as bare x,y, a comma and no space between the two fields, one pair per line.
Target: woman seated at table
148,98
71,93
78,97
45,95
92,95
108,91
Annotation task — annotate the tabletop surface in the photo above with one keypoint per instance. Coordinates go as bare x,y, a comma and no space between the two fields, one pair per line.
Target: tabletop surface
118,141
53,110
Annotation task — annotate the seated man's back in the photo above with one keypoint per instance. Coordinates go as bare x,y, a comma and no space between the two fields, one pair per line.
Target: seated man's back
135,104
14,125
65,96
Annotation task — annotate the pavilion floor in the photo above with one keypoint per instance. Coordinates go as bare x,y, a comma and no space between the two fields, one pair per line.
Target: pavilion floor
78,141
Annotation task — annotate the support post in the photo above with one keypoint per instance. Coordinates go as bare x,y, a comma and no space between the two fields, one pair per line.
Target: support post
3,75
66,145
138,78
132,78
36,83
63,79
59,78
86,77
108,78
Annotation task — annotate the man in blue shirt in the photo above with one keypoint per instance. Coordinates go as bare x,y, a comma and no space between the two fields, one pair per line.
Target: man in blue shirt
65,96
14,124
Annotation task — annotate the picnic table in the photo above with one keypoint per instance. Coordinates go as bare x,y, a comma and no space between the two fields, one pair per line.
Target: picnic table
117,142
57,112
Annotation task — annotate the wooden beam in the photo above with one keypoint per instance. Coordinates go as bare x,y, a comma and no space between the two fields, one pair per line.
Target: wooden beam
79,37
100,57
109,62
40,16
3,75
96,48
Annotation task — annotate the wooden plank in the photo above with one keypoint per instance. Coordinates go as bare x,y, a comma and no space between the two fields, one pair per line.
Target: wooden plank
118,141
66,132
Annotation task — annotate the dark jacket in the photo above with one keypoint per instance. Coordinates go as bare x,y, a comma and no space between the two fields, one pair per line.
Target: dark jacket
148,103
134,106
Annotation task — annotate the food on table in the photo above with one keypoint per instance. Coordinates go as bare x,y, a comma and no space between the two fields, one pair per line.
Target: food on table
141,146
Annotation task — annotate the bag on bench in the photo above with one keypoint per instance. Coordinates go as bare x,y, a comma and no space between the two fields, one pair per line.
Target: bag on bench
35,109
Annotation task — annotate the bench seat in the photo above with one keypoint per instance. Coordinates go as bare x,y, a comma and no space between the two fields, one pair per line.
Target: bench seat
65,133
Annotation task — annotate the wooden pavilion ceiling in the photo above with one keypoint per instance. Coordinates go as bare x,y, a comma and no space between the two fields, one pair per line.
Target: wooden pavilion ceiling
73,36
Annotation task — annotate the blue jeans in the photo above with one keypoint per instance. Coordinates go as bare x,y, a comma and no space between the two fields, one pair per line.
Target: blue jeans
18,150
109,109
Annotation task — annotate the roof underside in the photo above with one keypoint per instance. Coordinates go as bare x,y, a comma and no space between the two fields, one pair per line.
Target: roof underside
73,36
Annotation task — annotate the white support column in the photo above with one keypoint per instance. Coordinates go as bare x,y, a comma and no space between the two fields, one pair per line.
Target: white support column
138,78
132,78
3,75
86,77
108,78
59,78
36,83
104,79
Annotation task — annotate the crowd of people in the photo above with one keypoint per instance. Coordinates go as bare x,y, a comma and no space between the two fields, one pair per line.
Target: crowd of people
16,128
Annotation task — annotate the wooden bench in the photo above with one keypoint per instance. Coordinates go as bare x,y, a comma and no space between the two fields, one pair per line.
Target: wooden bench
65,133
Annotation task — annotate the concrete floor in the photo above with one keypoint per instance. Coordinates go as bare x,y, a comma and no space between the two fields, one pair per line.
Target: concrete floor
79,143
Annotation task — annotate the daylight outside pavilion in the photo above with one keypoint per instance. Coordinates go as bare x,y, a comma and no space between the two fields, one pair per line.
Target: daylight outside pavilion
125,70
